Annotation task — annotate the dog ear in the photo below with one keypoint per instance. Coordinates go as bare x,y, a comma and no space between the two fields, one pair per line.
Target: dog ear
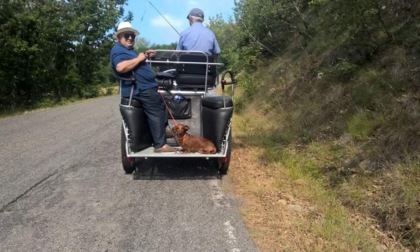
186,127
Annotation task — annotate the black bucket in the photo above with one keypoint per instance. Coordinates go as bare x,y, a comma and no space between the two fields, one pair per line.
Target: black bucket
139,135
217,113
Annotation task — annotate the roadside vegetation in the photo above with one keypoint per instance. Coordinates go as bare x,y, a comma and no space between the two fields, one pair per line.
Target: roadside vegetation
327,128
54,51
327,123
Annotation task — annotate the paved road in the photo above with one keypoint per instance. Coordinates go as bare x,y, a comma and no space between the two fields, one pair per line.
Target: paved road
62,188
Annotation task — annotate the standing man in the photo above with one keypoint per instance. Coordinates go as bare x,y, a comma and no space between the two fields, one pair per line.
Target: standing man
197,37
126,64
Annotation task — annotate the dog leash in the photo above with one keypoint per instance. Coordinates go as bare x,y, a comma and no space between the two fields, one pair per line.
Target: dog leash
167,107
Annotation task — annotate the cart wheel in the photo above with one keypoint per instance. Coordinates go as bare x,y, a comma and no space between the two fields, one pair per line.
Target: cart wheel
223,163
127,162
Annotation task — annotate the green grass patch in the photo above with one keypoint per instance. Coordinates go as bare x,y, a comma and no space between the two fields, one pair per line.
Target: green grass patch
363,123
300,166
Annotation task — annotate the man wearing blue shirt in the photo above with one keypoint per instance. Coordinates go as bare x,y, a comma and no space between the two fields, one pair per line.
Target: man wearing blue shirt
126,64
197,37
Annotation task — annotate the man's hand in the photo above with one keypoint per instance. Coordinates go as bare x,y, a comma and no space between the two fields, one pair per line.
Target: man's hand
150,53
129,65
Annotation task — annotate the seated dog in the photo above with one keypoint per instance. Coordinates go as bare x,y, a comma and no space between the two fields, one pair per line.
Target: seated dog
192,143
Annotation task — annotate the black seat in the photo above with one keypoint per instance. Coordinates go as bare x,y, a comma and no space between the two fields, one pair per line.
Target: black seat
193,76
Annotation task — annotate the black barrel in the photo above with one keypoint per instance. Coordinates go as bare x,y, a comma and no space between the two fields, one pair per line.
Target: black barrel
134,117
217,112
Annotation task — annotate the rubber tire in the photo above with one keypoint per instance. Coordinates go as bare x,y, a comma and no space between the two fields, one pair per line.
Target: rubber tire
127,165
223,167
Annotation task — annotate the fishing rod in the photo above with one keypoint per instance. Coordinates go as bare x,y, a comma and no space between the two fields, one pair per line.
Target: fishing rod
141,20
164,17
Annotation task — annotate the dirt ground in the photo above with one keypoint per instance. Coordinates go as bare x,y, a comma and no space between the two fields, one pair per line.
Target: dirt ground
279,219
269,214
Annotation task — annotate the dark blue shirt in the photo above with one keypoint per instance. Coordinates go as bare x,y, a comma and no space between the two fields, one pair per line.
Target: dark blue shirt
198,38
145,76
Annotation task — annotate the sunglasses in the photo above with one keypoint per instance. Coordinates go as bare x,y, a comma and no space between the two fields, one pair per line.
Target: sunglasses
128,35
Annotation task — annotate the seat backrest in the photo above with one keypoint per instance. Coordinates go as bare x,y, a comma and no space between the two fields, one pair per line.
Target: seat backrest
169,58
195,68
193,76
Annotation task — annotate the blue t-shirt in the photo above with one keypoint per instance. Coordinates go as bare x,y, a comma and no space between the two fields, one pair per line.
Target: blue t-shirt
198,38
145,76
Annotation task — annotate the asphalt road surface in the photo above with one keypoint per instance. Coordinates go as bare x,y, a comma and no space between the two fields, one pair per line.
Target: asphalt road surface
62,188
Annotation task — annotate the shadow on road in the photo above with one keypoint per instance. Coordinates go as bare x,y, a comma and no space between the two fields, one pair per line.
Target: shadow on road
175,169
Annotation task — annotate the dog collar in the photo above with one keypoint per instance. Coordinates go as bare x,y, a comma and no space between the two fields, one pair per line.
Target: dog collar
182,136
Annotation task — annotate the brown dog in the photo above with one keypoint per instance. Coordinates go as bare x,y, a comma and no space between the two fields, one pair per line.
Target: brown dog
192,143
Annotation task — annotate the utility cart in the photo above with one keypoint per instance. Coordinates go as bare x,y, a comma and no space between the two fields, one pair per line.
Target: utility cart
195,94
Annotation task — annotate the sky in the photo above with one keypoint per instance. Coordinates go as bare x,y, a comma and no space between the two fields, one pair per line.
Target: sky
156,30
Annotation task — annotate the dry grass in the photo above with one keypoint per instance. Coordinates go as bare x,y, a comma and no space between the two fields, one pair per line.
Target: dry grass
286,209
352,143
111,90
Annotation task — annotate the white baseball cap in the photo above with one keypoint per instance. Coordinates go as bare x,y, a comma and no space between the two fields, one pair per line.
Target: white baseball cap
125,27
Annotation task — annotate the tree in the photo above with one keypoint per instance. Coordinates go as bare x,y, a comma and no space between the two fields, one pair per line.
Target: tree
53,48
225,34
267,26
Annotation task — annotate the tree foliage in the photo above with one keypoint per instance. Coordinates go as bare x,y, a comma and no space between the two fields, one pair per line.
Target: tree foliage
53,49
225,36
357,29
268,25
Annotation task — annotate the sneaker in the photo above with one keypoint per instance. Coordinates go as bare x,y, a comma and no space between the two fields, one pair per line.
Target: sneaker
165,148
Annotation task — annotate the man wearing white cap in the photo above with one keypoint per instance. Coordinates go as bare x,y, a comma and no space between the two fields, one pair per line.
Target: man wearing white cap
197,37
126,64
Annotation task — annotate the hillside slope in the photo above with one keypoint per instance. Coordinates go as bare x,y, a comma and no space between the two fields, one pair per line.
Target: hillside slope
337,138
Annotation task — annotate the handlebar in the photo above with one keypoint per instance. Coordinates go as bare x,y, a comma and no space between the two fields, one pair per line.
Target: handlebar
232,78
